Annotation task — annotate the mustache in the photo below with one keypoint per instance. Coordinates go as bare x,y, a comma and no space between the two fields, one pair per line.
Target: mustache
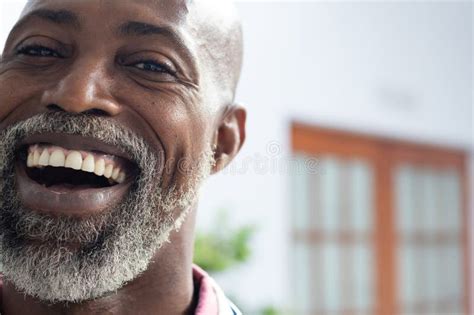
100,128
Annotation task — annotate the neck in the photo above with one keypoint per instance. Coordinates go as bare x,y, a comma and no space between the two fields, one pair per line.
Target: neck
166,287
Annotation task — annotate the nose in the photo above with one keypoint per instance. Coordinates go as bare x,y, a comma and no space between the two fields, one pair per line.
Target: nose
84,89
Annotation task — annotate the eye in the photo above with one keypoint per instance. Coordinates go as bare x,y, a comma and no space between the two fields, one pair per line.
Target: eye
38,51
152,66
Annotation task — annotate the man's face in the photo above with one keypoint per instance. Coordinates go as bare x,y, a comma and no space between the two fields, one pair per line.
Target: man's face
104,140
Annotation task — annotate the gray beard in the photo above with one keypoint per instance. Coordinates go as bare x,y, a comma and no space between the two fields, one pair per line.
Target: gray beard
114,247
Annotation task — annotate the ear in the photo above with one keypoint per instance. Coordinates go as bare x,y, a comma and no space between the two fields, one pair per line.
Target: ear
229,137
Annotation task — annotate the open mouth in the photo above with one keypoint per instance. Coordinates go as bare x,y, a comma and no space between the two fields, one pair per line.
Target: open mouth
56,166
71,174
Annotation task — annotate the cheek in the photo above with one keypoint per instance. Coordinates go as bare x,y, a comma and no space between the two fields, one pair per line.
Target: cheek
171,113
13,92
180,127
19,98
8,96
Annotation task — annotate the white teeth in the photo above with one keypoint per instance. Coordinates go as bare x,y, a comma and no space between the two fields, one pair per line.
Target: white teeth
88,165
44,158
36,157
57,158
116,173
30,160
108,171
74,160
99,167
121,177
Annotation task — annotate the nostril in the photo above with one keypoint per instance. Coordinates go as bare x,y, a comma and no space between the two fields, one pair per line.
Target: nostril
96,112
93,111
55,108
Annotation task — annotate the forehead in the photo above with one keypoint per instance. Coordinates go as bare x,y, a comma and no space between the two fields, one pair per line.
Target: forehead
173,12
105,16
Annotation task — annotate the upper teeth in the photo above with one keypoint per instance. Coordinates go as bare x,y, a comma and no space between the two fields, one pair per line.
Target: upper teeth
41,156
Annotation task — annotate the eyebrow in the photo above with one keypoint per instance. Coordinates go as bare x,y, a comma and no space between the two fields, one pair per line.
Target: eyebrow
134,28
141,29
59,17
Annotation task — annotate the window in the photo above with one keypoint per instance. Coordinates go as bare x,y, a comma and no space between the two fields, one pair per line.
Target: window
375,226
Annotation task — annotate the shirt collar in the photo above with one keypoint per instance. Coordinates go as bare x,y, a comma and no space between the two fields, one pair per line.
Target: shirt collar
211,299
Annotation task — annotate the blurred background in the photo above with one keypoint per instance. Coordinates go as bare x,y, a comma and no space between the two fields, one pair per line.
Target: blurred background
353,192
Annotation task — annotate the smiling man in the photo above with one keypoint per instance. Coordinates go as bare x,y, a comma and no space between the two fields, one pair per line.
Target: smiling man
112,113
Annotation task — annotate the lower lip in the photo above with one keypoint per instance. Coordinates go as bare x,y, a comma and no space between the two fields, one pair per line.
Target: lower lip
66,201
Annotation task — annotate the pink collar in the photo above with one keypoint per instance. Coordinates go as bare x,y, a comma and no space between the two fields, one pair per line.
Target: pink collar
207,302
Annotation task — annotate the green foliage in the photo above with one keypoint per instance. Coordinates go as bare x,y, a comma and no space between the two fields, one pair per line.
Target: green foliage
269,310
222,247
